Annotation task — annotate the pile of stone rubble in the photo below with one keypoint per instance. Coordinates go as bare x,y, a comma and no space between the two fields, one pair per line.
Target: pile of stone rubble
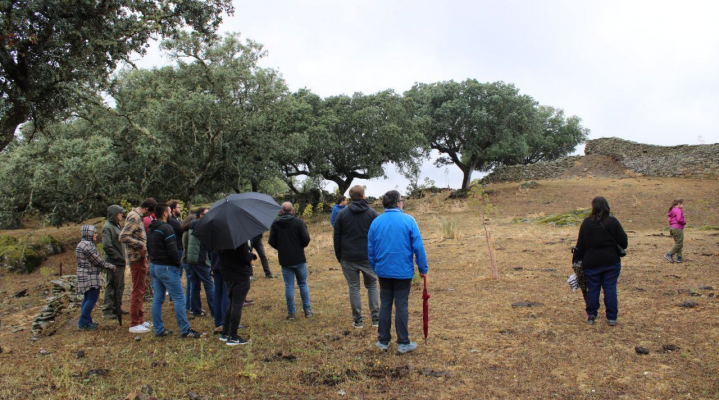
64,294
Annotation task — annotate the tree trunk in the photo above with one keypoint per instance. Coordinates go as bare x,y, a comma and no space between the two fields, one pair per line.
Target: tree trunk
16,115
255,186
467,179
343,185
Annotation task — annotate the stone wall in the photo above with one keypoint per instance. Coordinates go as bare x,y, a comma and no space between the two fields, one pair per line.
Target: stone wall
538,171
699,161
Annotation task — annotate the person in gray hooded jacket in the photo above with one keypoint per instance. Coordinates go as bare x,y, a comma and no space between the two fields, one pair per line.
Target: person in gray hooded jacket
115,255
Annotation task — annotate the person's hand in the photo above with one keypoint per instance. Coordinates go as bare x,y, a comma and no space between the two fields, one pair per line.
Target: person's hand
113,268
422,275
254,256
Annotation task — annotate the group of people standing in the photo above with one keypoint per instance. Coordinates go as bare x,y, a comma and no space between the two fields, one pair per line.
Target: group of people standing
154,243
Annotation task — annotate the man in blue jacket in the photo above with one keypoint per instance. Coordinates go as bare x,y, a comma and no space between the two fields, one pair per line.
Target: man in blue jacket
394,244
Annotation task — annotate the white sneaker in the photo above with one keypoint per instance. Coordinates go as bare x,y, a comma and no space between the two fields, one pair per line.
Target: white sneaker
147,324
139,329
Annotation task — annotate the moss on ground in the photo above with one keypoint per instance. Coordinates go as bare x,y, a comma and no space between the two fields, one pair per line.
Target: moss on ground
19,258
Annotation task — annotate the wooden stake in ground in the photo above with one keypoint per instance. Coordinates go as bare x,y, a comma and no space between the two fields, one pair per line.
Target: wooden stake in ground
492,264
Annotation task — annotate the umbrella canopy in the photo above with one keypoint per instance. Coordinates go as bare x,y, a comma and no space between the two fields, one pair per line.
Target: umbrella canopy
425,309
236,219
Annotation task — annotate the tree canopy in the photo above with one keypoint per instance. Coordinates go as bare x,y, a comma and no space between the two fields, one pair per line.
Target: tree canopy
478,126
51,50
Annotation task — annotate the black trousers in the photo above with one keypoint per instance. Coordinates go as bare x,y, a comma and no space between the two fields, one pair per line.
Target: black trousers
237,288
394,291
260,249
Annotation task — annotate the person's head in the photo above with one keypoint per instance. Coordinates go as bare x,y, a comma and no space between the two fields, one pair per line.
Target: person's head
600,209
186,222
677,203
341,200
175,207
392,199
148,206
357,192
89,232
200,212
162,211
287,208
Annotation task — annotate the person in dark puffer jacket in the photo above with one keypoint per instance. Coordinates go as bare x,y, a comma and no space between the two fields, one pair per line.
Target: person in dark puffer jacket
599,235
165,271
236,268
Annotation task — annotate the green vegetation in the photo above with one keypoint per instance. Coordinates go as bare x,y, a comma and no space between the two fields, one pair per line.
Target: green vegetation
449,229
709,228
570,218
19,258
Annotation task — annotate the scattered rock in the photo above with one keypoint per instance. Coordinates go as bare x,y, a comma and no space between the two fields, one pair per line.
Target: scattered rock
549,270
98,372
695,294
156,364
641,350
673,276
527,304
346,333
518,268
529,185
21,293
44,352
434,373
80,354
710,295
138,338
706,287
668,348
193,396
506,332
638,289
16,330
689,304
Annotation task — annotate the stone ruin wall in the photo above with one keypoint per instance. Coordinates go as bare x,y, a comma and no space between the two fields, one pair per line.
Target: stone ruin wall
698,161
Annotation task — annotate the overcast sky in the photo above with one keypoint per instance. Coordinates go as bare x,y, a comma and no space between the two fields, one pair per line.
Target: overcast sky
646,71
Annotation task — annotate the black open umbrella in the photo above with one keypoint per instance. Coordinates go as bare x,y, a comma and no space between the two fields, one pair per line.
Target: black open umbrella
236,219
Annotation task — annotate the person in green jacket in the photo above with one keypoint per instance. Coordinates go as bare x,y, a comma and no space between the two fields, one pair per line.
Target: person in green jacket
197,256
115,255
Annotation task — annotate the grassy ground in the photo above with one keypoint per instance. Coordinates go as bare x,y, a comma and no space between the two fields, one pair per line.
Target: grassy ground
479,347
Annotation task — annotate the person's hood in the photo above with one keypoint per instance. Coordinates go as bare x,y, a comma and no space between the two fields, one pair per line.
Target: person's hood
112,212
88,231
359,206
285,219
156,224
193,224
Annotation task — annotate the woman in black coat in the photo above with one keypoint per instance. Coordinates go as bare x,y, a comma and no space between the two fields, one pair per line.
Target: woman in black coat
600,237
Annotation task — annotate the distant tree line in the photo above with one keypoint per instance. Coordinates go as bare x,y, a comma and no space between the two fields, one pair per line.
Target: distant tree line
215,122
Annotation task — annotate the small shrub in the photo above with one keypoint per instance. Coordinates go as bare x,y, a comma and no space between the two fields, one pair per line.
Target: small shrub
7,240
449,229
307,212
319,208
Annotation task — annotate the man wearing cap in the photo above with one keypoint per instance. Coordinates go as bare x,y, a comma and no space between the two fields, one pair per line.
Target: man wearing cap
394,244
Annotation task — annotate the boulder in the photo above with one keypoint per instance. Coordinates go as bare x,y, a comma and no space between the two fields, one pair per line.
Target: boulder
50,246
17,258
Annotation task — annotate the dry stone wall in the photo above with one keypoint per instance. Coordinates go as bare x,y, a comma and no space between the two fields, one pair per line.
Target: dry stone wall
700,161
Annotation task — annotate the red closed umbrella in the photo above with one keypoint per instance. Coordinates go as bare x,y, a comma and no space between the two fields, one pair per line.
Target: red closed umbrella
425,308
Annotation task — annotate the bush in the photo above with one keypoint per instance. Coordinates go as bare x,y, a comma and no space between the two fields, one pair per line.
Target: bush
449,229
16,258
7,240
50,246
307,212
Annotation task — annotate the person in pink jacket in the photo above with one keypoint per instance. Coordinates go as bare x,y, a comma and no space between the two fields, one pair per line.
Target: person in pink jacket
676,228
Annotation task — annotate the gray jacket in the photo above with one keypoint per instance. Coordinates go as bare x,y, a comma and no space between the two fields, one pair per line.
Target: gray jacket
114,250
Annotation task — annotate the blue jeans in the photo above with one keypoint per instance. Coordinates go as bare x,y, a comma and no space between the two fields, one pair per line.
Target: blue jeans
221,299
288,275
203,278
603,278
394,291
192,302
88,303
166,278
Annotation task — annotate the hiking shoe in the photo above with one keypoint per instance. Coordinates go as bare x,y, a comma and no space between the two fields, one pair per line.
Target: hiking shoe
139,329
612,322
406,348
309,313
89,327
382,346
669,257
236,340
590,319
163,334
290,317
269,276
192,334
375,322
358,323
223,337
679,260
